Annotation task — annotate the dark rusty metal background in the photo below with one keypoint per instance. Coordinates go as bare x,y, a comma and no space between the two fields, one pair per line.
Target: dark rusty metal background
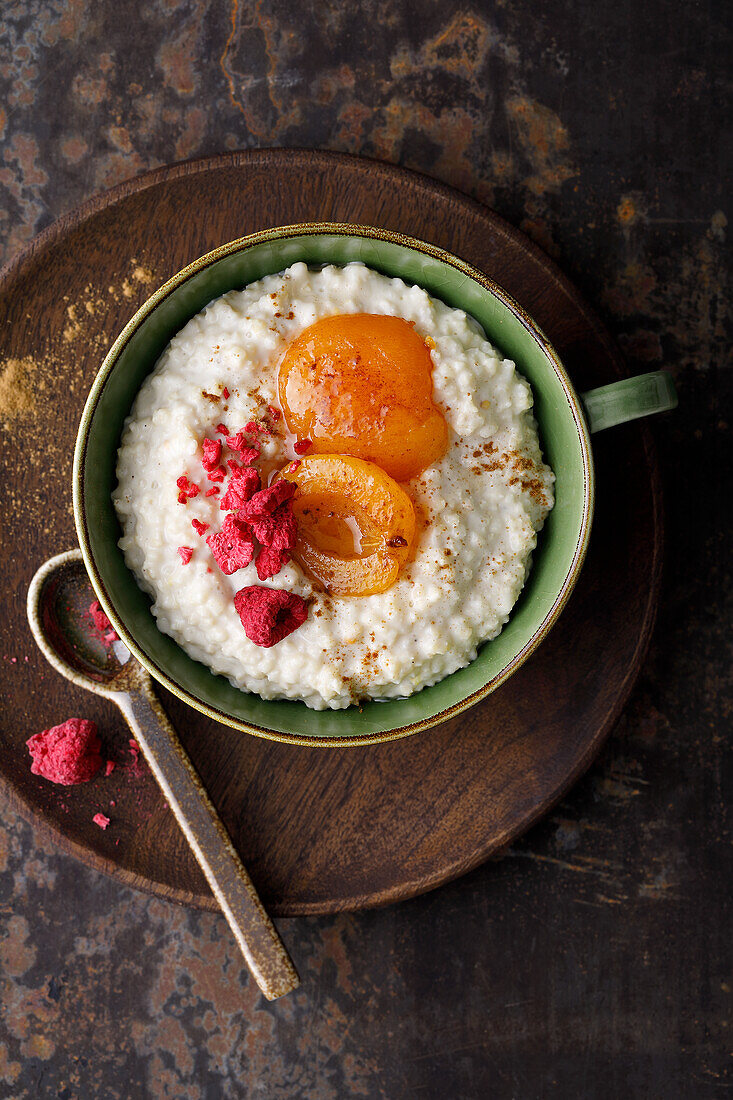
594,959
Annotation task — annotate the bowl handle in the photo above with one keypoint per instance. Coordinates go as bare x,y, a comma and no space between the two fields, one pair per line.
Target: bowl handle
629,399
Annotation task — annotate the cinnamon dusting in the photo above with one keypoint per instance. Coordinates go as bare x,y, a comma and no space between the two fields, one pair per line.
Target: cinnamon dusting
17,396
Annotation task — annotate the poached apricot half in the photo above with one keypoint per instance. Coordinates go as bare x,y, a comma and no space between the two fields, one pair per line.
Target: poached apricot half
362,384
356,526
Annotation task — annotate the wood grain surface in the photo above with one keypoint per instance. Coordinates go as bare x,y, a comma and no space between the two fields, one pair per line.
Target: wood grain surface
320,830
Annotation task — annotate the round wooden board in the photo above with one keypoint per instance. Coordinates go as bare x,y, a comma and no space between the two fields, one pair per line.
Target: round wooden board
321,830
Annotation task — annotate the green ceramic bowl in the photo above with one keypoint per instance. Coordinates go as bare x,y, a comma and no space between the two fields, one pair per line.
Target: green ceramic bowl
564,421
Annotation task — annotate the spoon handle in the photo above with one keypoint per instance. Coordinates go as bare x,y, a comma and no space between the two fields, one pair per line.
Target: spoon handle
255,933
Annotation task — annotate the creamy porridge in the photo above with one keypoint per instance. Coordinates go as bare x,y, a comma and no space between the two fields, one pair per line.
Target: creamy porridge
439,559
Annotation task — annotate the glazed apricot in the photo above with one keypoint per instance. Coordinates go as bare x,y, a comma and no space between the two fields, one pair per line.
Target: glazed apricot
356,525
361,384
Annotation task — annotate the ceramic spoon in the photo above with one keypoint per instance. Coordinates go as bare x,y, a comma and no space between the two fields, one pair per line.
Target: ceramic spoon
58,597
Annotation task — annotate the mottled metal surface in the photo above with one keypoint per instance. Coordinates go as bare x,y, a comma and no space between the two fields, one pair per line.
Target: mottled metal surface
594,959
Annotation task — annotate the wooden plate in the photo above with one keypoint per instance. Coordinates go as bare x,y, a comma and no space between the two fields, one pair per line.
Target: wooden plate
321,830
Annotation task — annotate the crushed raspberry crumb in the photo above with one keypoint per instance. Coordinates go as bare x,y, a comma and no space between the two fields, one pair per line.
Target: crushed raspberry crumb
217,474
102,623
269,614
68,753
222,429
267,500
109,767
233,546
237,441
302,446
293,466
213,491
199,527
276,535
278,529
211,454
186,553
100,619
253,426
187,489
225,394
244,482
101,820
270,561
248,452
274,413
269,514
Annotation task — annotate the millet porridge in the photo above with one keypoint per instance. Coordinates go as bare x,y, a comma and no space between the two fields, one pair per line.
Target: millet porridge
449,544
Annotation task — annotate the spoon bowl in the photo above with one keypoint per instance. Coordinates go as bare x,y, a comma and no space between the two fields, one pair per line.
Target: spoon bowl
59,598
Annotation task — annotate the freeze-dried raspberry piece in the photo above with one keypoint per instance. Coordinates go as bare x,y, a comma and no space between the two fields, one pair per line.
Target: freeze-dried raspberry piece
267,500
248,455
237,441
274,413
217,474
101,820
242,484
279,529
293,466
225,394
276,535
199,527
302,446
270,561
186,553
67,754
109,767
212,454
253,426
222,429
101,622
187,489
249,452
269,614
98,616
233,547
213,491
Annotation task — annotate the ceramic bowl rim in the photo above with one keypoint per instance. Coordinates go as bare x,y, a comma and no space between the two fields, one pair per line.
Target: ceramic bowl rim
434,252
